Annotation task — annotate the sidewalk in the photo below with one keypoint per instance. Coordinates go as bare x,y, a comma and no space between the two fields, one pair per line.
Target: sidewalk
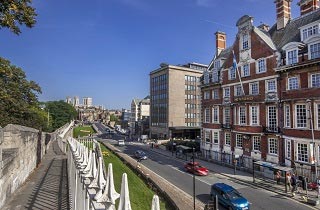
46,187
247,178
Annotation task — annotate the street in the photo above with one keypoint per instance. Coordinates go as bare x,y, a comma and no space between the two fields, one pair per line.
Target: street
171,169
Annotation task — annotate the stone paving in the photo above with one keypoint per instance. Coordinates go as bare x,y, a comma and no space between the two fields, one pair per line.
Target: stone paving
46,188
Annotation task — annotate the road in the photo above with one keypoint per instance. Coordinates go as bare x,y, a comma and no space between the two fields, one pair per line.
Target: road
172,170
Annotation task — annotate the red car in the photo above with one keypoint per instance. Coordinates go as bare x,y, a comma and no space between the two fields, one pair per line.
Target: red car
197,169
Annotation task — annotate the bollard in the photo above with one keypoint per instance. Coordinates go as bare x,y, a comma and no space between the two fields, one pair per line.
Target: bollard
216,203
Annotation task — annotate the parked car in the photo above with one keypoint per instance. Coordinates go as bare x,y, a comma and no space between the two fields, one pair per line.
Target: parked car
229,197
140,155
121,143
197,169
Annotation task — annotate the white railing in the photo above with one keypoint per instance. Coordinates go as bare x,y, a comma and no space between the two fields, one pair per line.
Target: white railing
90,187
61,136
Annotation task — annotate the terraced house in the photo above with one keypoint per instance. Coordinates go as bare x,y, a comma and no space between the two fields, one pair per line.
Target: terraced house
261,96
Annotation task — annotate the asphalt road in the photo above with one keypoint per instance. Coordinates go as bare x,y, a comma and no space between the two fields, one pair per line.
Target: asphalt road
172,170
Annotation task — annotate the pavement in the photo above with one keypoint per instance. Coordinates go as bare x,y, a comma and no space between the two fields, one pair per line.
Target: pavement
307,197
46,188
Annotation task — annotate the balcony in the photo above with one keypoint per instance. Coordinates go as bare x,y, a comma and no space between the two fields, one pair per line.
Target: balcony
272,129
226,126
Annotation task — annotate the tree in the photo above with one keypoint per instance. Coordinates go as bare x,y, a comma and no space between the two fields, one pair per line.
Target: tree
18,98
60,113
14,12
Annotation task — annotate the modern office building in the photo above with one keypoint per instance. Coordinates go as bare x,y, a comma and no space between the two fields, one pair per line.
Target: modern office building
175,101
262,102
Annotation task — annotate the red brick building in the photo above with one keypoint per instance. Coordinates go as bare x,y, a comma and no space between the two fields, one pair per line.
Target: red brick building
262,108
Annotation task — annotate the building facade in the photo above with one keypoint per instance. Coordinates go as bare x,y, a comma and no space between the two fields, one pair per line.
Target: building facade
140,112
87,101
261,96
175,101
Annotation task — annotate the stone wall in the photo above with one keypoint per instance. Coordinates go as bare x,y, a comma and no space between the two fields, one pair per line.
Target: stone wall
21,150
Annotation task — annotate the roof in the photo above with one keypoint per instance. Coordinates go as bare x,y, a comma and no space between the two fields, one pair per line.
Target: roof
291,32
224,187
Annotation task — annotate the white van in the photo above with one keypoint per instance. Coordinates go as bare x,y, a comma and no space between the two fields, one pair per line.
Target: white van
121,143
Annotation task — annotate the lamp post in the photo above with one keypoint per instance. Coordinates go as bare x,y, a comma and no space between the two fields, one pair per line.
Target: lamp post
194,181
314,145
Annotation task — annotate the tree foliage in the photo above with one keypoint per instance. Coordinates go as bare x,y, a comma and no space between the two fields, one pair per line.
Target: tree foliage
18,98
14,12
60,113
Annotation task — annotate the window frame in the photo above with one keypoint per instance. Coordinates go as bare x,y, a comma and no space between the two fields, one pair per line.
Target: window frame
274,150
243,115
251,115
317,79
224,92
214,135
267,86
271,125
287,116
295,85
227,139
215,114
259,67
256,142
251,85
243,70
239,139
302,155
290,59
296,116
206,115
310,53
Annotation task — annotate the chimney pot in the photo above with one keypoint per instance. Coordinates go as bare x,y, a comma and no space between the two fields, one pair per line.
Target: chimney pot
283,8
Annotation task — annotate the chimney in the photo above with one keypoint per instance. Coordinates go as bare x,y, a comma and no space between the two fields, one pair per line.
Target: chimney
283,8
307,6
220,41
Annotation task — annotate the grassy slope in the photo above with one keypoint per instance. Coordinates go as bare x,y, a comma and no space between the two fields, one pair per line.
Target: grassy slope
140,194
77,131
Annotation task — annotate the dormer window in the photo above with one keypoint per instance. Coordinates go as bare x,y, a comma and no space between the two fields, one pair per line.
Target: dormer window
245,41
314,51
292,56
307,32
206,77
217,64
215,76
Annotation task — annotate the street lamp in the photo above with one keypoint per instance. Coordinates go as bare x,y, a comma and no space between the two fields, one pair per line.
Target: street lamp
313,143
194,181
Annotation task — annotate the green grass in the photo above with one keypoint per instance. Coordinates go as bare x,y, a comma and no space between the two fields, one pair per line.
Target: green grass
82,131
139,192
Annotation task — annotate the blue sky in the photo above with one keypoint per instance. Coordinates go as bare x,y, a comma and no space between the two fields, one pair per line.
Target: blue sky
105,49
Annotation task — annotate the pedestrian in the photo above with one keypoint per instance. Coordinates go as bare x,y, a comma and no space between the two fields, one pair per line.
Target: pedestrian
278,177
288,180
293,182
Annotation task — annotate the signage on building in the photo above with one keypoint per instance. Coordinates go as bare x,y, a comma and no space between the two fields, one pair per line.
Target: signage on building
244,98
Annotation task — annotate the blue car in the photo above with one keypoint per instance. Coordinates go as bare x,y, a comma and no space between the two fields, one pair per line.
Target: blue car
229,197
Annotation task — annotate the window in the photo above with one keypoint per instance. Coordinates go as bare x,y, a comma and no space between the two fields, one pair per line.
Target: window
226,92
273,146
207,136
215,76
293,83
254,88
272,118
216,137
288,148
256,143
215,113
292,57
242,115
239,140
226,116
314,51
287,116
261,66
245,41
318,114
238,90
217,64
302,153
301,116
271,85
245,70
315,80
215,94
232,73
206,95
206,115
310,31
228,138
254,115
206,77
